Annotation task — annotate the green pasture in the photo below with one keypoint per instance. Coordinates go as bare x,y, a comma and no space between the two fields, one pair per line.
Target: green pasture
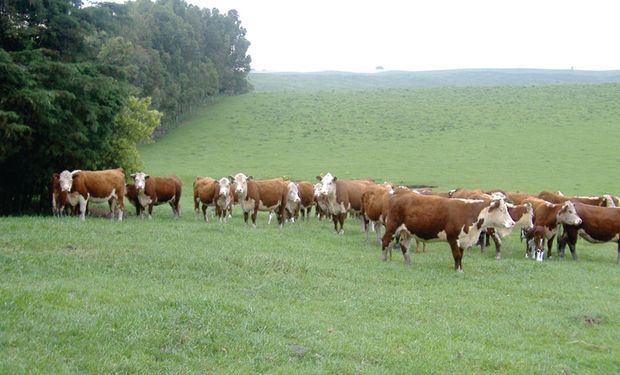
185,296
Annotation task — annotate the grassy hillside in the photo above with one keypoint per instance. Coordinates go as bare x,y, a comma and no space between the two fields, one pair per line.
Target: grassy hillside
184,296
267,82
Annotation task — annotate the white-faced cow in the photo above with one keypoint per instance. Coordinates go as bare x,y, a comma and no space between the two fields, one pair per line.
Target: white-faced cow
216,193
550,215
343,196
98,186
261,195
431,218
293,201
156,190
598,225
321,202
306,196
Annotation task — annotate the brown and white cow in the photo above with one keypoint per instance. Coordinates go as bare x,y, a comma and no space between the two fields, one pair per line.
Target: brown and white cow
293,201
522,215
131,192
306,196
321,202
343,196
98,186
59,198
605,200
156,190
551,215
598,225
431,218
261,195
535,242
211,192
375,201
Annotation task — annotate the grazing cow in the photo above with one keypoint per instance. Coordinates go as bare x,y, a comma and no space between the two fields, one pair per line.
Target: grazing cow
131,192
550,215
261,195
375,201
431,218
343,196
98,186
598,225
156,190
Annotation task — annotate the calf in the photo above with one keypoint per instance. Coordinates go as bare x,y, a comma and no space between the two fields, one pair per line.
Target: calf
155,190
535,242
598,225
98,186
550,215
261,195
343,196
205,193
431,218
306,196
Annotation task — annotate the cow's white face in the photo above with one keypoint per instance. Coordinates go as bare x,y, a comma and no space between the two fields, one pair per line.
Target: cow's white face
224,183
293,193
498,216
241,183
140,180
317,189
328,184
568,214
66,181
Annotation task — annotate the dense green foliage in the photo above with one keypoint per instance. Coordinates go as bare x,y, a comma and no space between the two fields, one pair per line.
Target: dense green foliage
183,296
67,74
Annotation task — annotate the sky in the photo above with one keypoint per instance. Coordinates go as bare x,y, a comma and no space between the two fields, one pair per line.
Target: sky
359,36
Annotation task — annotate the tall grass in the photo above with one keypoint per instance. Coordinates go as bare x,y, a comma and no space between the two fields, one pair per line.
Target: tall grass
184,296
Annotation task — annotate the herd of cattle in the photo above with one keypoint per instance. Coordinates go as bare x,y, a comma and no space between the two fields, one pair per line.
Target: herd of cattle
461,217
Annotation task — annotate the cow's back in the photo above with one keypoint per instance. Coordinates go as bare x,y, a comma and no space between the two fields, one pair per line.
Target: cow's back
269,192
349,193
163,188
99,184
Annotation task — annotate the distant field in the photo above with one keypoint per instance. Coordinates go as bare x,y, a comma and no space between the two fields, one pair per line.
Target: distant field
184,296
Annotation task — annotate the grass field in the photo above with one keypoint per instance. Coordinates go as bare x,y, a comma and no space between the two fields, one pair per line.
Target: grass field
184,296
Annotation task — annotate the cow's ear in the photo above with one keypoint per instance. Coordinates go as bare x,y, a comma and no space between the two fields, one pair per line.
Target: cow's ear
250,178
231,178
133,175
495,204
146,176
319,178
335,178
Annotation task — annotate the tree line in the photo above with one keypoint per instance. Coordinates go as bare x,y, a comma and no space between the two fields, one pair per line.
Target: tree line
81,86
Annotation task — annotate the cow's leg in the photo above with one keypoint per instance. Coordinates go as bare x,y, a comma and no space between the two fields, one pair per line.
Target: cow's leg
245,217
481,239
378,227
405,245
562,241
270,216
341,219
112,205
335,219
366,222
387,239
572,242
83,204
457,254
549,246
498,244
618,259
204,212
151,210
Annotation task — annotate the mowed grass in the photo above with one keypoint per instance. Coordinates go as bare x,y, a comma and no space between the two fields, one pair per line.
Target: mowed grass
185,296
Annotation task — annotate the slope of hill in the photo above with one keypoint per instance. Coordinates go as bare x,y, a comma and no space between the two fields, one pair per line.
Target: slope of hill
399,79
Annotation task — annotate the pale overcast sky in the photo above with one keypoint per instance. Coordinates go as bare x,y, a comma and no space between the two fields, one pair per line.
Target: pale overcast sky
427,35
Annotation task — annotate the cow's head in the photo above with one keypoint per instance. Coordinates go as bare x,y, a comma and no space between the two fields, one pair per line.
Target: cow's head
568,214
317,189
241,183
66,180
224,184
293,193
140,180
328,184
498,216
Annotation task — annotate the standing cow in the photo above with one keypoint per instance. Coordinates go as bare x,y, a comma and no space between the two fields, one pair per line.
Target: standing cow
155,190
98,186
342,196
261,195
432,218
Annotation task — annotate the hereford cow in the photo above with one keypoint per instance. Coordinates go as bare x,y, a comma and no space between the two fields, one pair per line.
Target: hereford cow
605,200
375,201
343,196
156,190
98,186
216,193
550,215
261,195
59,198
321,202
521,214
535,242
306,196
431,218
598,225
293,201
